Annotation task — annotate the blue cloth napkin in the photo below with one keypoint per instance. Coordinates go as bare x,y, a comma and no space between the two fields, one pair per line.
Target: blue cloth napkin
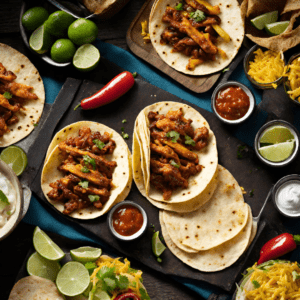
50,221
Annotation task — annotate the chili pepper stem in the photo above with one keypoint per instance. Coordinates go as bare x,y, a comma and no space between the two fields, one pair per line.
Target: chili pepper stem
77,106
297,239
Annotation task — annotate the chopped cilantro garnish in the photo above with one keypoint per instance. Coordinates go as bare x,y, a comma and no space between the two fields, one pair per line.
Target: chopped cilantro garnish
124,121
85,169
130,270
7,95
179,6
125,135
84,184
89,160
144,294
255,284
159,259
94,198
123,282
133,284
189,141
174,135
122,129
241,151
225,70
99,144
295,275
90,266
35,124
198,15
110,283
173,163
251,193
105,272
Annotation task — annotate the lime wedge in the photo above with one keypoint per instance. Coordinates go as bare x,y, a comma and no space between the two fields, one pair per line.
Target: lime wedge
260,21
40,40
45,246
3,200
73,279
157,246
277,152
86,58
39,266
85,254
276,134
277,28
15,157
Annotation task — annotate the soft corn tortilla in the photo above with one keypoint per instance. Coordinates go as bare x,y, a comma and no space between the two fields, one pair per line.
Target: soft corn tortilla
35,288
217,258
208,157
27,74
217,221
231,22
122,176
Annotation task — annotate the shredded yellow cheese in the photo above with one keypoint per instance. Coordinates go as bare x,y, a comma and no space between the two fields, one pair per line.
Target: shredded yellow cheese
276,283
293,73
267,67
145,33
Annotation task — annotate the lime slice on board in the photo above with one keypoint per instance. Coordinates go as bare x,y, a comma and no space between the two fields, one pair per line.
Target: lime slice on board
40,40
86,58
277,28
39,266
15,157
157,246
276,134
34,17
73,279
45,246
277,152
85,254
260,21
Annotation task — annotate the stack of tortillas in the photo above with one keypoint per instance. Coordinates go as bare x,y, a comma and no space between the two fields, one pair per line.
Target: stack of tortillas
208,225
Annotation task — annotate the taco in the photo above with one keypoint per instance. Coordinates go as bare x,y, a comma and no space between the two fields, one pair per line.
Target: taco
174,154
87,170
22,96
196,37
279,278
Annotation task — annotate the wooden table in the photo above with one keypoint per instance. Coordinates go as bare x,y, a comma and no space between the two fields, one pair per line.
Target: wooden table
14,248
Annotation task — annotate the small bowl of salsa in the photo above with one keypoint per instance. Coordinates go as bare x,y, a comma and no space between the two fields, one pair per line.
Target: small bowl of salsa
127,221
232,102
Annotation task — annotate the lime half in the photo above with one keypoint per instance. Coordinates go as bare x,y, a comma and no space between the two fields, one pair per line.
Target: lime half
40,40
73,279
277,28
157,246
45,246
86,58
39,266
277,152
260,21
15,157
276,134
85,254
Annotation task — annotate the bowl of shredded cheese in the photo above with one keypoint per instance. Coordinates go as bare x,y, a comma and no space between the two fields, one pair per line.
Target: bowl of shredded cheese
264,68
292,78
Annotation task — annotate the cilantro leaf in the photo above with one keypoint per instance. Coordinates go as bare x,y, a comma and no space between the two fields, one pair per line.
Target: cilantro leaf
35,124
7,95
251,193
110,283
90,266
125,135
89,160
144,294
255,284
124,121
99,144
94,198
159,260
225,70
179,6
295,275
174,135
122,129
189,141
105,272
123,282
198,15
130,270
85,169
173,163
133,284
84,184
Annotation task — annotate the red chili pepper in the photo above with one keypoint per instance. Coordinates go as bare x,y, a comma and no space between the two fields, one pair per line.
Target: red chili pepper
128,295
278,246
117,87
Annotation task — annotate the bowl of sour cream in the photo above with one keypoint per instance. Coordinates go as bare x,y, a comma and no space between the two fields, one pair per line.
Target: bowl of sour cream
286,196
11,200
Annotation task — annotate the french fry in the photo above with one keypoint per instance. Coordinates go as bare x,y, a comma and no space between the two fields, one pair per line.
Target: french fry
222,33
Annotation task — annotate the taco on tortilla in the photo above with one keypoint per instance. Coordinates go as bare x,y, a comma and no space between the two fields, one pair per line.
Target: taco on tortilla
87,170
196,37
22,96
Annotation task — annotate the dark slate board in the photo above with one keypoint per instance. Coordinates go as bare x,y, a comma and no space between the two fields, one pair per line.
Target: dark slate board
127,107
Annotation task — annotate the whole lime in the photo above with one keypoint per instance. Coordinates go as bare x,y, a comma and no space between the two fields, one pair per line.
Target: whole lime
83,31
63,51
58,23
34,17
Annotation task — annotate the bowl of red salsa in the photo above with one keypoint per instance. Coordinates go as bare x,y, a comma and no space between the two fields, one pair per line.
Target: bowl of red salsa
232,102
127,221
